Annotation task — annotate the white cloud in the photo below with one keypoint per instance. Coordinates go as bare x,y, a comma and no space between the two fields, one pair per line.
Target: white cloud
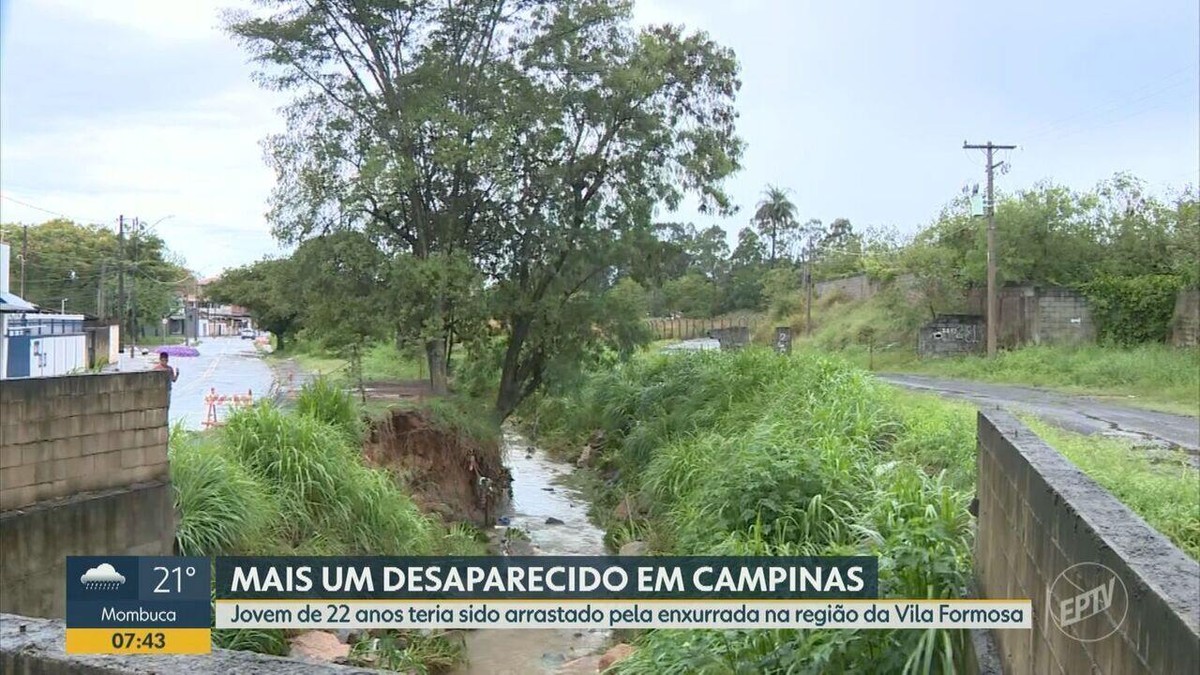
156,19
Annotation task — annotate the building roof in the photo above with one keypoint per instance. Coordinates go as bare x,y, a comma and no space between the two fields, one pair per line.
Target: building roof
13,303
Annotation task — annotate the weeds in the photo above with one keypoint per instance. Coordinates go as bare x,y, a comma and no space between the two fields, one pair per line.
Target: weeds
408,651
294,483
1160,486
1152,374
323,400
751,454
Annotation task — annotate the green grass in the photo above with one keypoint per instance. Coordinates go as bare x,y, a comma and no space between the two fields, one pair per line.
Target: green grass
381,361
1152,376
275,482
1161,489
748,454
1157,376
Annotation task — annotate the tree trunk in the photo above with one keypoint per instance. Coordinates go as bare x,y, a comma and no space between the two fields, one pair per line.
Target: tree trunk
435,355
508,395
279,340
435,352
358,371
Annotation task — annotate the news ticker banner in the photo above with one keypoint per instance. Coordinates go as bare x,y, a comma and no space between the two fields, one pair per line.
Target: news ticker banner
582,592
138,605
165,605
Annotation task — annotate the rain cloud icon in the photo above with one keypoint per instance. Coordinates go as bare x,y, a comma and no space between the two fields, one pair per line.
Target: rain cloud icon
102,577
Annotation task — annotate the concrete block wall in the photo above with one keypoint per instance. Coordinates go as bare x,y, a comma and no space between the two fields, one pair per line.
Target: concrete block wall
64,435
1034,315
1185,326
952,335
857,287
861,287
1063,317
1038,516
35,542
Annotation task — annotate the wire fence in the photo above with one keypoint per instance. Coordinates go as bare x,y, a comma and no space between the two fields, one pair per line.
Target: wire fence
681,328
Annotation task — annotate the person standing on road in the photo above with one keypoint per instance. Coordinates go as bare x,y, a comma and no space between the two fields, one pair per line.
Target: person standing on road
164,364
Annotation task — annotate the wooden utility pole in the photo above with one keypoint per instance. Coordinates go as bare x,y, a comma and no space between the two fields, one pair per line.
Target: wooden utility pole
121,274
808,303
992,310
100,290
133,317
24,256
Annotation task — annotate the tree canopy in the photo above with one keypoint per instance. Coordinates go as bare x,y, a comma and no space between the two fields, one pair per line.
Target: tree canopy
528,140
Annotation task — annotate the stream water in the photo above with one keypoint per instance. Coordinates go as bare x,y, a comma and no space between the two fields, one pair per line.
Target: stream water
539,491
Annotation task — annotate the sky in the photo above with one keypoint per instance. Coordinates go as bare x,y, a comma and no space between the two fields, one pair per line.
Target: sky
146,108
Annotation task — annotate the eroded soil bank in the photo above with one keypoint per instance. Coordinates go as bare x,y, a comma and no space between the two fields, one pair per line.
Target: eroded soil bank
458,477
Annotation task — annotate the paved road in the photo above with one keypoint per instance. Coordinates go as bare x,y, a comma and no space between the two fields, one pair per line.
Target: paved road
1080,414
228,364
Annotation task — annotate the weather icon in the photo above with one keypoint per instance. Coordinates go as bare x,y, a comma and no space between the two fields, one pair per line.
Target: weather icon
102,577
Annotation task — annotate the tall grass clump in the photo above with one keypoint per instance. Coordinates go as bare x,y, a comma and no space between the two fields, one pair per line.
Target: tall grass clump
323,400
222,507
294,483
329,499
749,453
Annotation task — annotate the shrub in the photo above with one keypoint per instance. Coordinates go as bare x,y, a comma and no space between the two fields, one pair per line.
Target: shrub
748,453
1132,310
325,401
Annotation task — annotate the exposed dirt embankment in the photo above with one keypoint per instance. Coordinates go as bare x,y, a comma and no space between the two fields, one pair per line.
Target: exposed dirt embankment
450,474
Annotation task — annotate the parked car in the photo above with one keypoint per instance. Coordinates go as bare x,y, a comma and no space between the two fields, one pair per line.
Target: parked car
248,334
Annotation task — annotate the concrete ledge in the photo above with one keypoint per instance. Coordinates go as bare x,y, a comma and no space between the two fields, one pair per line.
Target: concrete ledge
1039,514
35,647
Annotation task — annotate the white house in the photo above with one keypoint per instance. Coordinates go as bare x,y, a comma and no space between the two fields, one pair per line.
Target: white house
34,343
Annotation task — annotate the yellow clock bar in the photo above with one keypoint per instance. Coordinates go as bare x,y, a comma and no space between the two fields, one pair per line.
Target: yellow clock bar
139,640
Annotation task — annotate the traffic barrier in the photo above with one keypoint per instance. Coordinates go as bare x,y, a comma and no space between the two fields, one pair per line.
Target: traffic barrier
212,399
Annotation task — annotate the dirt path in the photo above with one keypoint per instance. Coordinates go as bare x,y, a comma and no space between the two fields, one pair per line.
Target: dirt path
1080,414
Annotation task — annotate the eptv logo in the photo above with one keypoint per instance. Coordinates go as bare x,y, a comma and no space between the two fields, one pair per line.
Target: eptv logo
1087,602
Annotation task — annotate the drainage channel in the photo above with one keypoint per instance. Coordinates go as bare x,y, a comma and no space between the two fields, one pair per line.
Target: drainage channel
539,493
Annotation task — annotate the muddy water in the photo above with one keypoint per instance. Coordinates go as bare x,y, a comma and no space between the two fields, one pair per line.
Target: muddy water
539,493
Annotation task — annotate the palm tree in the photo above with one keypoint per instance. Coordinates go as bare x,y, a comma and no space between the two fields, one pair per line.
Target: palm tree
775,216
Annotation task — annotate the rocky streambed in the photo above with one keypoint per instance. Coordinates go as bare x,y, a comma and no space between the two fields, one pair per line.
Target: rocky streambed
545,517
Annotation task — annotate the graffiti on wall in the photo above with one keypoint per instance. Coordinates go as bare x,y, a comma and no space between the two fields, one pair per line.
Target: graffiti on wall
970,333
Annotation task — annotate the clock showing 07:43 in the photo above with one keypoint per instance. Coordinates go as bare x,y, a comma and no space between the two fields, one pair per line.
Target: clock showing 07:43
138,605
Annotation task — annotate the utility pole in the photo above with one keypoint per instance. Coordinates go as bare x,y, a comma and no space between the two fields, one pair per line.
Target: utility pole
100,290
133,316
24,256
121,273
808,303
992,310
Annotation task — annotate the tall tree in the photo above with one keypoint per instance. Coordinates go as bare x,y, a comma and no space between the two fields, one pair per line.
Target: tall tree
341,291
395,125
614,120
268,289
775,219
532,138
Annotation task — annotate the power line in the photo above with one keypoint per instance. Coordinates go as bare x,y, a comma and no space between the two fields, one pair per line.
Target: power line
1148,92
52,212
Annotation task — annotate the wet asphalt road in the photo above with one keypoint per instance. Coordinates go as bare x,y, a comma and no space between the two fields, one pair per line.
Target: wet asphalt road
230,365
1080,414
